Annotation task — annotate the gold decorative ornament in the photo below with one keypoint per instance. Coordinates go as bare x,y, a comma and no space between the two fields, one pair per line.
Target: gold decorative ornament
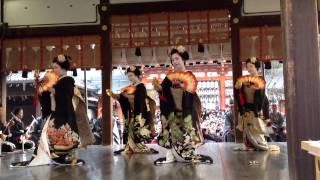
37,74
104,8
253,60
235,20
181,49
61,58
104,27
132,68
109,92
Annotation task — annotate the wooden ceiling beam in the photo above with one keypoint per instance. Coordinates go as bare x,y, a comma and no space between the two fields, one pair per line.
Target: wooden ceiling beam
258,21
51,31
168,6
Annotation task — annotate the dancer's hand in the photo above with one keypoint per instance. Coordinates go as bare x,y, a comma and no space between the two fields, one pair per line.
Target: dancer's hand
52,90
124,94
156,84
111,94
268,122
10,124
115,96
25,137
2,137
254,87
158,88
238,85
127,95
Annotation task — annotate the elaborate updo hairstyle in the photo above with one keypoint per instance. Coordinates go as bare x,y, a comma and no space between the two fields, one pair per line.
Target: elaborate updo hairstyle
135,70
63,61
181,51
254,61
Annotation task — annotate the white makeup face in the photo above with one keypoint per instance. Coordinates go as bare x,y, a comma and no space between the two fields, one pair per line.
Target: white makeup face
177,61
251,68
132,77
56,68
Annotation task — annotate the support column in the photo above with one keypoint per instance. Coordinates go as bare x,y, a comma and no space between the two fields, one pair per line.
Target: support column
3,82
106,63
3,95
302,82
235,11
222,92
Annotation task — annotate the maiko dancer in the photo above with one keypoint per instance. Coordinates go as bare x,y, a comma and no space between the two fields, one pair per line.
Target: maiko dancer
67,128
180,113
254,109
138,110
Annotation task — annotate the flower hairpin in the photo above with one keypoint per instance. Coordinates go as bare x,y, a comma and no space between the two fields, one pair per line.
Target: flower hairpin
253,59
132,68
61,58
181,49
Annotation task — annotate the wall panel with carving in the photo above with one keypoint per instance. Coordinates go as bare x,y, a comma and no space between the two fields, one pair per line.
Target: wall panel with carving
264,43
38,53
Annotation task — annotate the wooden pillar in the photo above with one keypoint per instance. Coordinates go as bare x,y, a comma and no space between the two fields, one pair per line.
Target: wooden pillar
235,11
222,92
302,82
3,81
3,94
106,63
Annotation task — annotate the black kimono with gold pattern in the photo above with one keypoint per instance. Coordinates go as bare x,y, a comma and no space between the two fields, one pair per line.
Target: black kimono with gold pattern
62,129
139,126
180,119
66,128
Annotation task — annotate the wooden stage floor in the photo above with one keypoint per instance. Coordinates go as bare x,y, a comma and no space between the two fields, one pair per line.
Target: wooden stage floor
101,164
